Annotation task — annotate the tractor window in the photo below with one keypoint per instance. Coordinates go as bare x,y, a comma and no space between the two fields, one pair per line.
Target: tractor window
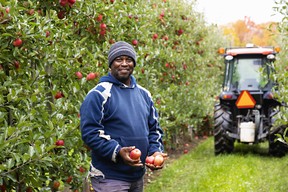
249,73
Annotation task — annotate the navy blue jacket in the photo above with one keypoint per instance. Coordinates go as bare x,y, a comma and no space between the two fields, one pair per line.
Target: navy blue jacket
114,115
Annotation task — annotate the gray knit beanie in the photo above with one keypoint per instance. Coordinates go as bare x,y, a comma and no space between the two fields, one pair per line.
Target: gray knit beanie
121,48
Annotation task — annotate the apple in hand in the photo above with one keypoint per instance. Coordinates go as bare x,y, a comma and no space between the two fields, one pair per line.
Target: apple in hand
158,160
135,154
149,160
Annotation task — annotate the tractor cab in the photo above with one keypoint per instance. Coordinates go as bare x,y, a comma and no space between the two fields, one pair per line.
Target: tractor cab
246,108
248,68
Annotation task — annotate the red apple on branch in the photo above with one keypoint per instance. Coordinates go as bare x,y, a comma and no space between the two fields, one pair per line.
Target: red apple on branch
155,36
56,184
17,64
60,142
17,42
103,26
134,42
59,95
71,2
63,3
82,169
90,76
69,179
99,17
79,75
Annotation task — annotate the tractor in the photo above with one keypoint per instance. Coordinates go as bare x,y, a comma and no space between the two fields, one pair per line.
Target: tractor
246,108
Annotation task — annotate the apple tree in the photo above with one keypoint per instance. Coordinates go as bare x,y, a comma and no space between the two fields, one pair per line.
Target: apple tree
53,52
281,66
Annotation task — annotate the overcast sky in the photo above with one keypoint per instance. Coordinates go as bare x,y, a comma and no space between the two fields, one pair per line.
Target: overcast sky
226,11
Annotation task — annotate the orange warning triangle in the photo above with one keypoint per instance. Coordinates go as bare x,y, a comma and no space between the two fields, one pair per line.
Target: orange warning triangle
245,100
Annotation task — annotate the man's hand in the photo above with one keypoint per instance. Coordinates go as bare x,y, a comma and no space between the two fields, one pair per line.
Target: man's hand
124,153
152,166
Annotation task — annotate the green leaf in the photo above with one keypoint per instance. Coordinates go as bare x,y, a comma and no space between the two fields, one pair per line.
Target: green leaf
10,163
31,151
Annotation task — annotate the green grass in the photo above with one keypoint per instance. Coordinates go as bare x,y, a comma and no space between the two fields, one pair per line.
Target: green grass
247,169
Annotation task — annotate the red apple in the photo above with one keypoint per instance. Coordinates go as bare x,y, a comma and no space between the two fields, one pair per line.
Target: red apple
59,95
134,42
7,10
17,64
2,188
102,32
158,160
47,33
99,17
79,75
103,26
82,169
184,66
90,76
31,12
185,151
71,2
135,154
69,179
56,184
111,41
17,42
29,189
149,160
180,32
60,142
61,14
165,38
63,2
155,36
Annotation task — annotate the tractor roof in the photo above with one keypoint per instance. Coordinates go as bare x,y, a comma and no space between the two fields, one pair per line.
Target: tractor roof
250,50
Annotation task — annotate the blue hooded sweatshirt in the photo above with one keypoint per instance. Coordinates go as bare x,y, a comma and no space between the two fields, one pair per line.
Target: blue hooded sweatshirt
114,115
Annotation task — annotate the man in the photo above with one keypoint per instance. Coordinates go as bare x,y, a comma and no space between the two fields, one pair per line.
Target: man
117,116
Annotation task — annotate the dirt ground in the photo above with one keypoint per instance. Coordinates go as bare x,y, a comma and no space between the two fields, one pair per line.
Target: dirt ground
184,147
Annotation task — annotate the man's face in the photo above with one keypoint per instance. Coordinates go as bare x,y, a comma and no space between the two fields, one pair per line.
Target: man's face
121,68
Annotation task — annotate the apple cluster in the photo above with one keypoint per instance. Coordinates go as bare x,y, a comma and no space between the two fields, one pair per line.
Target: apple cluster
155,160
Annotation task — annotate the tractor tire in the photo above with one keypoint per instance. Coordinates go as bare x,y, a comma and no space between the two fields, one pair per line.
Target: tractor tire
276,147
222,123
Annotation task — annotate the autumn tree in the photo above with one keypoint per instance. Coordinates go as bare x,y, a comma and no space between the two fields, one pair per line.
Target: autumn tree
246,31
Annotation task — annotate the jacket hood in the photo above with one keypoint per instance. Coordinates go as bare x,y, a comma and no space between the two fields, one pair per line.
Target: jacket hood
111,79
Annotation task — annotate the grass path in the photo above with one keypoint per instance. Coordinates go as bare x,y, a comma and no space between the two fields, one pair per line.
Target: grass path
248,169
